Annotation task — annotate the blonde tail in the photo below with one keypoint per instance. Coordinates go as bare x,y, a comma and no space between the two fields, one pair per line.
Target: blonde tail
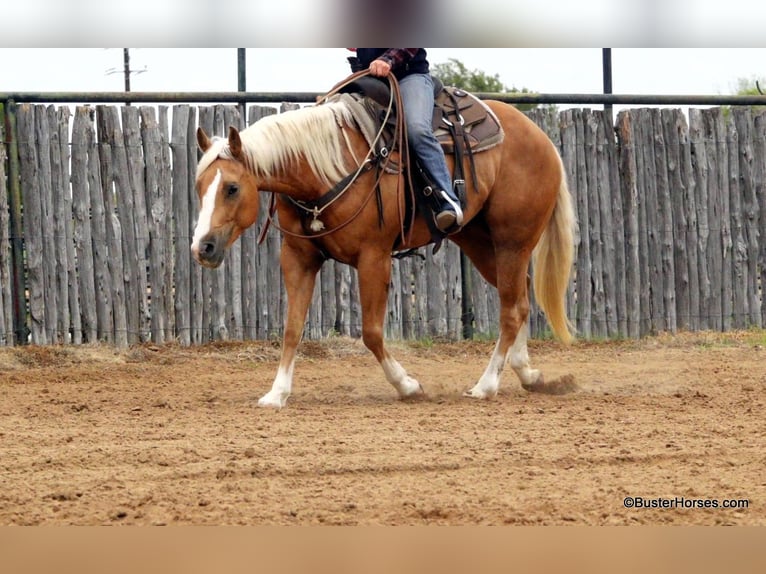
552,262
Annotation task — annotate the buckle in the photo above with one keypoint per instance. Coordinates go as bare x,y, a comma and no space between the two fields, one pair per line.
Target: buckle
450,124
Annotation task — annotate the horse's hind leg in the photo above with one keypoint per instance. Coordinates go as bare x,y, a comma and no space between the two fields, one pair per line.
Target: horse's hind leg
374,272
512,342
300,268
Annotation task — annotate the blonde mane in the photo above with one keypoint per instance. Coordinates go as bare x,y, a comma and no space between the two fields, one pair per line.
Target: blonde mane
271,144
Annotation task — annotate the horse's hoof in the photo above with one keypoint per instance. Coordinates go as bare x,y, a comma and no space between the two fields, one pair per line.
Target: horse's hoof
409,388
414,394
536,386
476,393
270,401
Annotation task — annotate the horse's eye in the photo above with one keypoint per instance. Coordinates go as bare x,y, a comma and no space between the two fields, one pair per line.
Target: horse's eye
232,189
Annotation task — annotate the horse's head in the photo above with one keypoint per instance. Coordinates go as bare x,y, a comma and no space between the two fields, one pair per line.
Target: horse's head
228,197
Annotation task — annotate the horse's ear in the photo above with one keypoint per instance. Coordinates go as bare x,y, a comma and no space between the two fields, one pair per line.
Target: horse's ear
235,143
203,141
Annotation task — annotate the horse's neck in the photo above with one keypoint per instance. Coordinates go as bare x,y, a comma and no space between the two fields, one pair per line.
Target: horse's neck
297,182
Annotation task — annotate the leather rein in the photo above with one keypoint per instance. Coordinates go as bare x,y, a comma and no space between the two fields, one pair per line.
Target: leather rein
371,160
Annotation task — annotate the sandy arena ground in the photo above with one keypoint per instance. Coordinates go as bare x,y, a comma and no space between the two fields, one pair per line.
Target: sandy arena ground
165,435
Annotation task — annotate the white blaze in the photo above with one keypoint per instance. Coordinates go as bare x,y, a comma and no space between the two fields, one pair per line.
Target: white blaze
206,213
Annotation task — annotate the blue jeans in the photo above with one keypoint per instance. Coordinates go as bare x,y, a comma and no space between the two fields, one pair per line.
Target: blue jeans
417,92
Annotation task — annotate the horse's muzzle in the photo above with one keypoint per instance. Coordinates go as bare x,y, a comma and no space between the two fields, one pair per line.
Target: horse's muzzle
209,251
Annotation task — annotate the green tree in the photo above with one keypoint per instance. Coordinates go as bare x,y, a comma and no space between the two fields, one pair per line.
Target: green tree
752,86
455,73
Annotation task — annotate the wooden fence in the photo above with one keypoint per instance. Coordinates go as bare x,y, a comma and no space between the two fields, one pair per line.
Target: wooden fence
670,219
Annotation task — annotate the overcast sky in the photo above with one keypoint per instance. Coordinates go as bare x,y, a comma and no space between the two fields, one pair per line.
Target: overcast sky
295,23
705,71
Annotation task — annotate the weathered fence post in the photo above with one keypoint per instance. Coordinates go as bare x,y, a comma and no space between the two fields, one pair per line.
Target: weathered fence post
720,211
113,181
70,292
759,188
750,235
681,181
5,292
168,236
630,213
596,246
6,263
34,223
132,209
82,146
699,166
666,225
155,225
183,181
21,327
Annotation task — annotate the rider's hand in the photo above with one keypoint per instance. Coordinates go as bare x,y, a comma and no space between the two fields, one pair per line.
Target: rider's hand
380,68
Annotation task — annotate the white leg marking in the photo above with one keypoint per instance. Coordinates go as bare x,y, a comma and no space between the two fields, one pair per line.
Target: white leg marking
489,382
519,357
206,212
396,375
280,389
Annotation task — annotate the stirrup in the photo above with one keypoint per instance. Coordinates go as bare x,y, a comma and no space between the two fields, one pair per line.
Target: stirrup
454,204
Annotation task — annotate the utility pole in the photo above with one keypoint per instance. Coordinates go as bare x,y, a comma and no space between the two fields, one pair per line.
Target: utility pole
126,70
126,67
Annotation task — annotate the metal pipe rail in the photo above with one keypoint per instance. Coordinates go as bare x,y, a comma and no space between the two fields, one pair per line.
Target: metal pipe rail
308,97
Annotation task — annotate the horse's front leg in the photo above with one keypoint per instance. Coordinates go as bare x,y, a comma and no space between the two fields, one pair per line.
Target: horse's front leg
374,271
299,268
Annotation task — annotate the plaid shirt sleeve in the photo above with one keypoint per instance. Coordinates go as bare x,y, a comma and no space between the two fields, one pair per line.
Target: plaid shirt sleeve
398,56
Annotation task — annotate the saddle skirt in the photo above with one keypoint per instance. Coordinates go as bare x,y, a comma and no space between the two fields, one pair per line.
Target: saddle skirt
482,128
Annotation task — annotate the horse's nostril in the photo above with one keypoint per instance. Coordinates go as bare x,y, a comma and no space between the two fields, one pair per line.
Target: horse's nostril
206,248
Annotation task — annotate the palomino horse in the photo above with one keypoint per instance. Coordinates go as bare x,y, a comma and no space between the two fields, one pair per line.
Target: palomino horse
522,209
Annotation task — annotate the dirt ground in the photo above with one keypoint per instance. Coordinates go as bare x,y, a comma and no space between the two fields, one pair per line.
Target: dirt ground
165,435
